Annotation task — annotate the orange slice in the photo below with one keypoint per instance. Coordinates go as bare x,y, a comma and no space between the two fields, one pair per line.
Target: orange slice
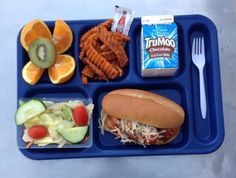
31,73
62,70
62,36
32,31
27,27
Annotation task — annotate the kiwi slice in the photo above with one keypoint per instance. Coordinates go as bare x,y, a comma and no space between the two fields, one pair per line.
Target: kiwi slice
42,52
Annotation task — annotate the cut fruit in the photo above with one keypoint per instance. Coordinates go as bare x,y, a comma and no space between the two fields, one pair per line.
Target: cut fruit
62,36
27,27
32,31
42,53
31,73
29,110
62,70
75,134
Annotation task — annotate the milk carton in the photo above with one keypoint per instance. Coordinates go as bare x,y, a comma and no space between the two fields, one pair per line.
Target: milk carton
159,46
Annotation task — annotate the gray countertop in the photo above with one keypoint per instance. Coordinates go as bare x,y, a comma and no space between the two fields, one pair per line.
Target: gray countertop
221,163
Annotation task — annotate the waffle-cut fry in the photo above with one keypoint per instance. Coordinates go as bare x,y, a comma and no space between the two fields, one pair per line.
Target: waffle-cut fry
115,62
90,39
100,62
102,52
82,53
109,40
110,55
121,38
104,48
87,71
96,45
95,69
84,79
99,78
107,24
120,71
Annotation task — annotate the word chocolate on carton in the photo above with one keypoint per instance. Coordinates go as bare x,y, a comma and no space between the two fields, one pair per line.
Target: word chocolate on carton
159,46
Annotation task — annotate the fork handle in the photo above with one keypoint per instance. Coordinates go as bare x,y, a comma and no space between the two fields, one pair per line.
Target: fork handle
202,94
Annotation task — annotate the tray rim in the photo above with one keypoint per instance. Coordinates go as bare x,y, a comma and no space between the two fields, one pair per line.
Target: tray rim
207,150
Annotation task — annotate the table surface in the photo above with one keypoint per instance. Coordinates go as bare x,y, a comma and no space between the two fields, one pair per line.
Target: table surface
14,15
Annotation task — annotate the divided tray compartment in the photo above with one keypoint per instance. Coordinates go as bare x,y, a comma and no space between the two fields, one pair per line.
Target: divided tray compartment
196,135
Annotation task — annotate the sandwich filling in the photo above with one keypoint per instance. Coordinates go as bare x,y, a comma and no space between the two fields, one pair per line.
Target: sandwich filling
133,132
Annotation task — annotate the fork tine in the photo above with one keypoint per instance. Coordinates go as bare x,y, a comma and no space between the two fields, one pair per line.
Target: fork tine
198,45
193,46
203,45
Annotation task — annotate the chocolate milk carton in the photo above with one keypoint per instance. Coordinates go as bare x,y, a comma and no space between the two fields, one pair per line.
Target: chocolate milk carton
159,46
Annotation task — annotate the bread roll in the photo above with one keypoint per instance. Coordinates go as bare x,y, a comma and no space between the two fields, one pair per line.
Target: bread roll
143,107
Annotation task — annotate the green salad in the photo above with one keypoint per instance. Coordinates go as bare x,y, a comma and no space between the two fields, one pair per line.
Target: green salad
48,122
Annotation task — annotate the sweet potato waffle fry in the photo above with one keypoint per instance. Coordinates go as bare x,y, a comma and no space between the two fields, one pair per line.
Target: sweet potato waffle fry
100,62
121,38
104,48
107,24
102,52
95,69
84,79
109,55
87,71
115,45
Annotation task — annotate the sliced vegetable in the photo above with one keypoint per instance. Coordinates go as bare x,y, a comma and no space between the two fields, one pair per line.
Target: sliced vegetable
21,103
37,132
32,122
80,116
30,144
48,103
67,113
75,134
52,122
29,110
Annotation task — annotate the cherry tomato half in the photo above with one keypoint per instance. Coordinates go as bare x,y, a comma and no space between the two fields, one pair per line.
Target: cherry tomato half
80,116
37,132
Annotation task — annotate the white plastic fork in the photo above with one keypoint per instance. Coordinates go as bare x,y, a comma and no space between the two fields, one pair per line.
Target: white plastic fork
198,57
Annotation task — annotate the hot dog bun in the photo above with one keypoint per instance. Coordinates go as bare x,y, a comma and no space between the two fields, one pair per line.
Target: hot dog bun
143,107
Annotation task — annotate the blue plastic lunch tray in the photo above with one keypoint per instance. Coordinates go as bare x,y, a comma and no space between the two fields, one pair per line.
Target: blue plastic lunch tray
197,135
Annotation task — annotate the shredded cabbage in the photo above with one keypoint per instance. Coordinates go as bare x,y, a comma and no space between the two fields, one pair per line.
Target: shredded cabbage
127,130
101,121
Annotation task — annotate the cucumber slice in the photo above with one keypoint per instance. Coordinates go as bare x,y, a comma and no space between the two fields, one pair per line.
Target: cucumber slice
29,110
21,103
74,135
